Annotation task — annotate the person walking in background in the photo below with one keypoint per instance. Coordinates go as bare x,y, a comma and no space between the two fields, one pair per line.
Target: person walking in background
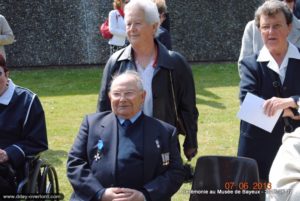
6,35
163,34
125,154
166,24
117,26
252,41
273,75
167,77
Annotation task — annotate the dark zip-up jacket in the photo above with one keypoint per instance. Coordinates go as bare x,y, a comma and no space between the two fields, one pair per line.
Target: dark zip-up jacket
169,63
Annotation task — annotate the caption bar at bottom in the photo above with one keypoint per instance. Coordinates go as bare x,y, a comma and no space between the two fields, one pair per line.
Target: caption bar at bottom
33,197
237,192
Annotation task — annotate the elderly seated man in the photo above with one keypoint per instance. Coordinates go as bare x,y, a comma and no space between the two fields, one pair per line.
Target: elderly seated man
22,128
125,154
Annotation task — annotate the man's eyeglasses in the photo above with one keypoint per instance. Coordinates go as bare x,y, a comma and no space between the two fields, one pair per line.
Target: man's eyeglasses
126,94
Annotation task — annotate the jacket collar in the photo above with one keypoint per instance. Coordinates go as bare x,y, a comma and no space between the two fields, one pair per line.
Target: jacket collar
109,134
8,94
164,59
265,56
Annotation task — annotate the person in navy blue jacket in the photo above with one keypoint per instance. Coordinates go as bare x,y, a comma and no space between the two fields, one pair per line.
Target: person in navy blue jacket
272,74
22,124
163,34
124,153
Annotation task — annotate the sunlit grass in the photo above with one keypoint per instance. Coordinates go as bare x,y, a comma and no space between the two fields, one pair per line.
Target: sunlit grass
69,94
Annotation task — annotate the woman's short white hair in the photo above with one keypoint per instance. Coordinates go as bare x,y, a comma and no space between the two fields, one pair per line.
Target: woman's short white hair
147,6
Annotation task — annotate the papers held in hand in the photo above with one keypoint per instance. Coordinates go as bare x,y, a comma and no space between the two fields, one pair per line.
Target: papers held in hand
252,112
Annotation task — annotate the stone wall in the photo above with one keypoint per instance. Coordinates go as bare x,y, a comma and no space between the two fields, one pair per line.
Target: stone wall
65,32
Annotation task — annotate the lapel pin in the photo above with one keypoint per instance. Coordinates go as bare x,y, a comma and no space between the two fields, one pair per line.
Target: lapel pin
99,153
157,144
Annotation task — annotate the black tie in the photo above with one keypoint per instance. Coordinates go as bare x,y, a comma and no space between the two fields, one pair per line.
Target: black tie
126,123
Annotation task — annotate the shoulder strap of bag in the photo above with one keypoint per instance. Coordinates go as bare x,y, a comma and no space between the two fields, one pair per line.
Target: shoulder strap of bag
179,124
288,128
173,95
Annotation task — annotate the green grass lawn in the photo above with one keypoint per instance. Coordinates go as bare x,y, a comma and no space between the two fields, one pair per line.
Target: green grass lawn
68,94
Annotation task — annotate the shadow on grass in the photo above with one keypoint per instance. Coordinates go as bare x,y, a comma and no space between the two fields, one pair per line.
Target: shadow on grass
206,93
210,75
210,103
213,99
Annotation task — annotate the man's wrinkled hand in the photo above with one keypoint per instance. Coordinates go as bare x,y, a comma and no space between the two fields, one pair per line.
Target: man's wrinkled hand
190,153
122,194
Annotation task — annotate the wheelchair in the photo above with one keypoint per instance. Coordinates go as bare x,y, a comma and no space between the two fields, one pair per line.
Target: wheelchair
38,177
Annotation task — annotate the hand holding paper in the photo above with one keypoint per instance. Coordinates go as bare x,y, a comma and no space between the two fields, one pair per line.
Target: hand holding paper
252,111
273,104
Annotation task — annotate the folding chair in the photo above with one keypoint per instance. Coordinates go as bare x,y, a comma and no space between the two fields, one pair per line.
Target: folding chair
225,178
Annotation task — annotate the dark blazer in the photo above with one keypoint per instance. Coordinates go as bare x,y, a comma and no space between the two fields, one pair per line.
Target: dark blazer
22,127
88,176
163,103
256,78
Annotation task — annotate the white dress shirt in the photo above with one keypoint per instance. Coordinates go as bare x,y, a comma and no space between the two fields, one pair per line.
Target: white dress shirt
147,76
